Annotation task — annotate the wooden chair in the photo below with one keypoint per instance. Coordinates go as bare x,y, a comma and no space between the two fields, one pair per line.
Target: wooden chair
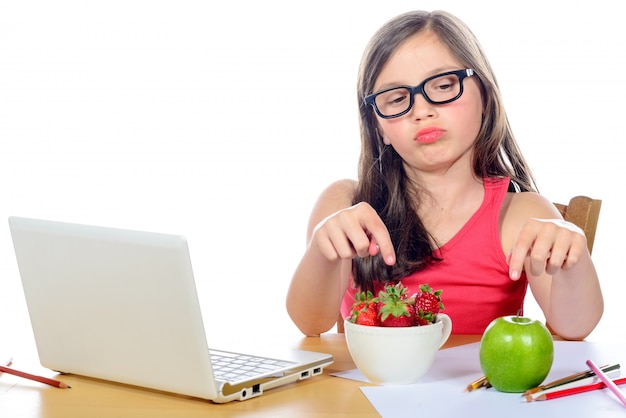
582,211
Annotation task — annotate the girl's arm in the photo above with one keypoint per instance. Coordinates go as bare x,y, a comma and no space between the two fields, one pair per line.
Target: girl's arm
318,284
554,255
337,232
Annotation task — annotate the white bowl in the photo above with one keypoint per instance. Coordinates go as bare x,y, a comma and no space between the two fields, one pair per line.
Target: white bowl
396,355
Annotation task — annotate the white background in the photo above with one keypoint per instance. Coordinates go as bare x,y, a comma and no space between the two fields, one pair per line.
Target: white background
223,121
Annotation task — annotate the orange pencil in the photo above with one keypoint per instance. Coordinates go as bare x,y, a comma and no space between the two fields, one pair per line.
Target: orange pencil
572,391
39,379
572,378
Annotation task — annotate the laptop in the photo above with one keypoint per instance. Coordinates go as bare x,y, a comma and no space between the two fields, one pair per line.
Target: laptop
121,305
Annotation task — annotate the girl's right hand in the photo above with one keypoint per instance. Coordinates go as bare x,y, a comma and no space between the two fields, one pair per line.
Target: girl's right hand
354,231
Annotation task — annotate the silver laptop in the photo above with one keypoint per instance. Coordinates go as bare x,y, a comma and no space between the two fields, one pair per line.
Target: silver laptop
122,306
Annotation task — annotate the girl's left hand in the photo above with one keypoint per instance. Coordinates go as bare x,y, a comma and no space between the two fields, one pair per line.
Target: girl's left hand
549,245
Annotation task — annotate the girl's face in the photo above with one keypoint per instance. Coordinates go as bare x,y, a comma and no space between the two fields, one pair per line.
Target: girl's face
430,138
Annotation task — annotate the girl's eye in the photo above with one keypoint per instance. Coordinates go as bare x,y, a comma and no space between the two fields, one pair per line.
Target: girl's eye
442,84
395,98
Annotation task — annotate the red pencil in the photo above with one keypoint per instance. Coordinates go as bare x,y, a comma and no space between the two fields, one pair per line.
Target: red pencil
607,381
39,379
572,391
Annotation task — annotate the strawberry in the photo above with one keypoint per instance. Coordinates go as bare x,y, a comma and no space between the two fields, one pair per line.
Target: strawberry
427,305
395,308
365,309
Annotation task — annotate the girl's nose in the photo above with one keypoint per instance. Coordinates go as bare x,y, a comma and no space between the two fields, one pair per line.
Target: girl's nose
422,109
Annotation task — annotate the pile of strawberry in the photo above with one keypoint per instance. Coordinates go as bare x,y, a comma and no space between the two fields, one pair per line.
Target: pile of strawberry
393,307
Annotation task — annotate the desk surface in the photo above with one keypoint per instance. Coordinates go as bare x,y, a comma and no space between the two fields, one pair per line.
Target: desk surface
322,396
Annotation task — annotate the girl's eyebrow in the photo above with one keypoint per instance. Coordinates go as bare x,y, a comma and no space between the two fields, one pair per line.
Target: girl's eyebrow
431,73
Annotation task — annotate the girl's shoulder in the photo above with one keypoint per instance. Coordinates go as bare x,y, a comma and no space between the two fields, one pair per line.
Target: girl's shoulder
518,208
342,187
335,197
338,195
532,205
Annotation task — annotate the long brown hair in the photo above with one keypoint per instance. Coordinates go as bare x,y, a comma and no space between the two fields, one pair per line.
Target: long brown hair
383,182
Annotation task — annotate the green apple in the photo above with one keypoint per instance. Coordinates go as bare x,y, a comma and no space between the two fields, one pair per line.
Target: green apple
516,353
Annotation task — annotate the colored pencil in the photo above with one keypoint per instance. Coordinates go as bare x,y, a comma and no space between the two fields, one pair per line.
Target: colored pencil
477,384
608,382
613,374
572,378
573,391
40,379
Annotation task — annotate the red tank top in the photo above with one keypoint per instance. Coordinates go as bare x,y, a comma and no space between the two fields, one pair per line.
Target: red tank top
473,273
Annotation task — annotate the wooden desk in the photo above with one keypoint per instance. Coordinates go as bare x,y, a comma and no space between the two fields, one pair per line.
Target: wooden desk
322,396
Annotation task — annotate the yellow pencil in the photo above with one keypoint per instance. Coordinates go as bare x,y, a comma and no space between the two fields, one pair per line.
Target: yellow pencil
477,384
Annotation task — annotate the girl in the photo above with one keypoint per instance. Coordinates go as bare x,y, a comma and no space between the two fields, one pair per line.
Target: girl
444,197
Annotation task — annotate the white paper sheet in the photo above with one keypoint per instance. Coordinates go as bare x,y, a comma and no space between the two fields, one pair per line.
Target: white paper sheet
441,392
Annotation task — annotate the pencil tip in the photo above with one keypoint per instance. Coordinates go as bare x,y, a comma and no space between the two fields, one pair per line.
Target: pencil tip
529,398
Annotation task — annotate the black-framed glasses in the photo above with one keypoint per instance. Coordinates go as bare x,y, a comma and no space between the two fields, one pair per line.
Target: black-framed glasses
439,89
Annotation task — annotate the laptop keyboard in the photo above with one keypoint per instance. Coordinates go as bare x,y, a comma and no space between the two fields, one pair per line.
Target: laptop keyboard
229,366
